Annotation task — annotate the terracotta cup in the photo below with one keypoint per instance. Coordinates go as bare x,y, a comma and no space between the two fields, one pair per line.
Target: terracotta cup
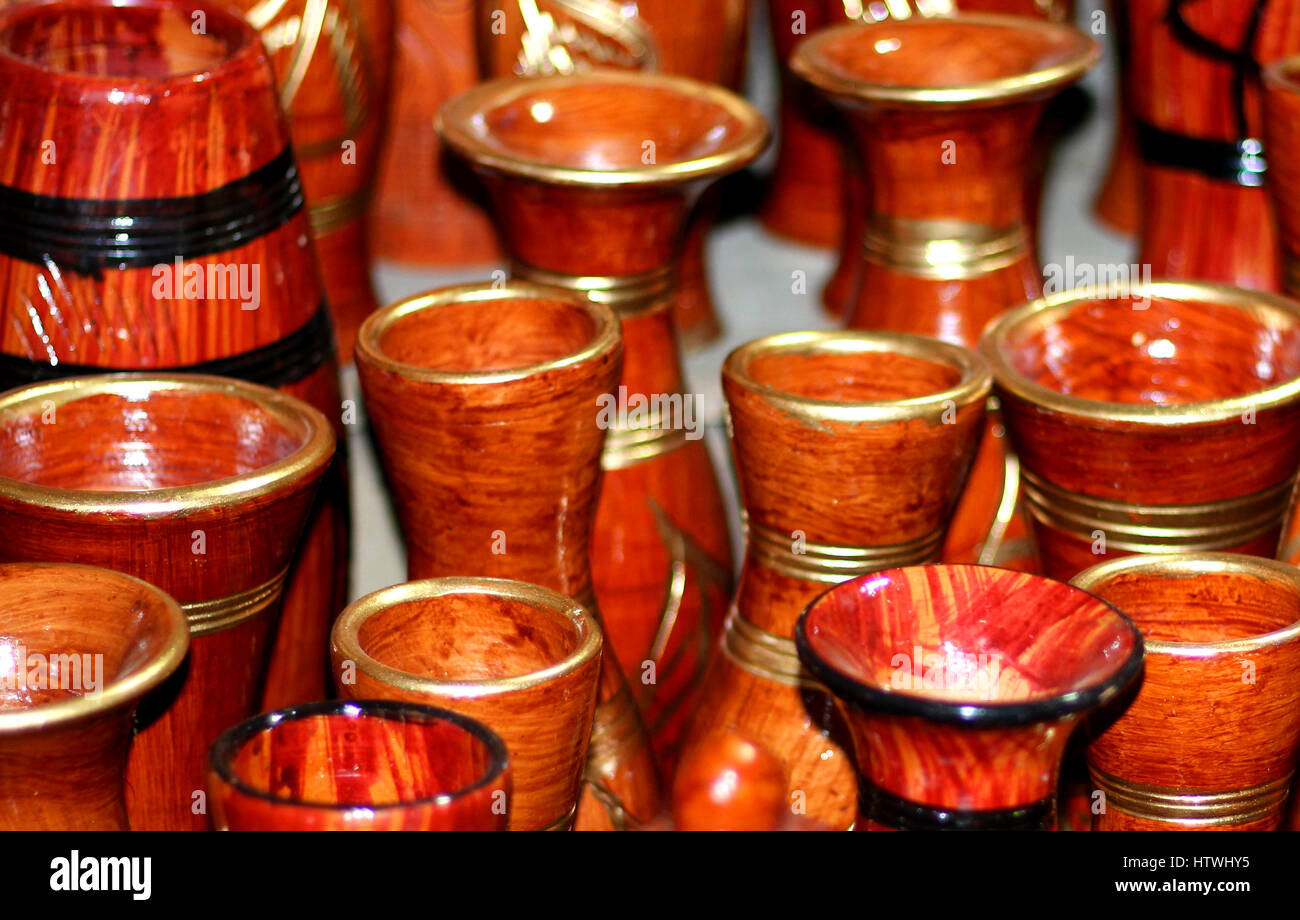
428,210
851,449
705,40
1210,740
1195,94
81,647
521,659
163,243
486,403
1161,419
369,765
568,158
331,60
200,485
961,685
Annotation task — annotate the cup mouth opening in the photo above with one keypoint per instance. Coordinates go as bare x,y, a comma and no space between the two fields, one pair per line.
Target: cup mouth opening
311,434
1073,53
1004,334
133,678
973,377
347,642
1072,697
223,38
1193,565
226,749
463,124
603,333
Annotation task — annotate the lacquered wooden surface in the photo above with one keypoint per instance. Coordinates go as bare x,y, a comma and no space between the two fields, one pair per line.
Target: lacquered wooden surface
1193,226
478,637
822,482
1205,719
1119,198
663,509
1175,351
376,766
1281,104
224,546
983,637
428,210
124,636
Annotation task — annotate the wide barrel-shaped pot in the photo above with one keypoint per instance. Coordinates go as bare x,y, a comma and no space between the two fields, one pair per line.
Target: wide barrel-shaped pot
199,485
961,685
369,765
1165,419
138,236
1195,93
331,60
1209,742
485,400
82,647
851,449
521,659
705,40
593,177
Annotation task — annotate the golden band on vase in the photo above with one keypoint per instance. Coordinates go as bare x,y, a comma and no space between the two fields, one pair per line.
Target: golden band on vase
790,555
206,617
1192,807
944,249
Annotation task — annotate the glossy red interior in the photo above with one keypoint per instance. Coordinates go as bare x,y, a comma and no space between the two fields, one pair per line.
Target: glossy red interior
946,52
151,440
344,760
55,620
968,634
488,335
867,376
607,125
129,40
1168,352
468,637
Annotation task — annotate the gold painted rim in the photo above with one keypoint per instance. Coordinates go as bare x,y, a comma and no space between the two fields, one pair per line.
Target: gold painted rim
1193,807
975,383
455,120
345,638
315,450
1192,565
807,63
1267,308
606,338
118,693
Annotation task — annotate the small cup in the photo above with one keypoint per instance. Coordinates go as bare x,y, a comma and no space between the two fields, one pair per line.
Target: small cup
370,765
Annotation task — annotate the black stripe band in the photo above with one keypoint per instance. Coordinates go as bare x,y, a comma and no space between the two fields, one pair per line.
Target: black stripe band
88,235
278,364
1240,162
883,807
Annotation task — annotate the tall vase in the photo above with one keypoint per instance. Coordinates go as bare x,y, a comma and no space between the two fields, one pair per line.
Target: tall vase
199,485
182,249
703,39
592,177
851,449
486,404
520,658
961,685
1195,95
427,209
1162,421
82,647
1211,738
374,765
1118,203
331,60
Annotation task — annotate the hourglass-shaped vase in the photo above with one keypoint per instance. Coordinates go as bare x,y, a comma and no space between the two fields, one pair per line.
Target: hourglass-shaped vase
592,177
851,449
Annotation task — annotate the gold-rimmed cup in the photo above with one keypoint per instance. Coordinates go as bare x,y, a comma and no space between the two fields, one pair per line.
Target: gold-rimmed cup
1157,417
81,647
200,485
851,450
521,659
1210,740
